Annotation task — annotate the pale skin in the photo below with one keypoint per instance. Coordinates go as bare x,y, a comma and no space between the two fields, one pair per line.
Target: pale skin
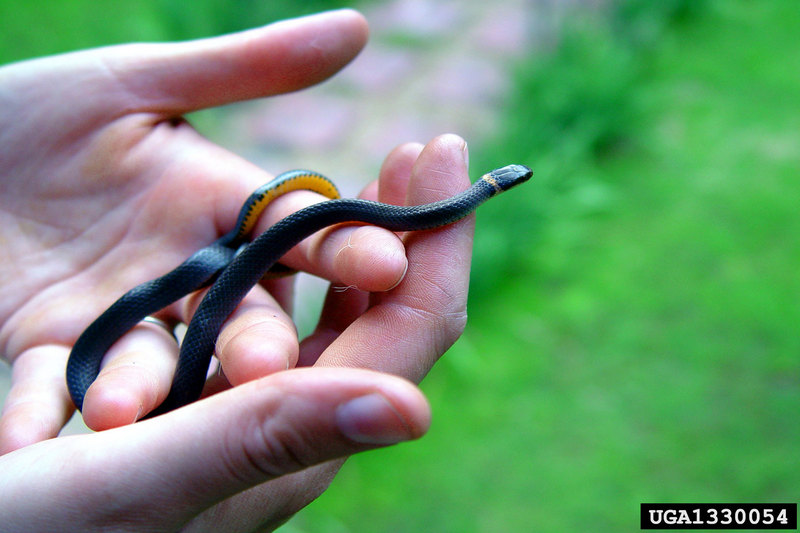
103,186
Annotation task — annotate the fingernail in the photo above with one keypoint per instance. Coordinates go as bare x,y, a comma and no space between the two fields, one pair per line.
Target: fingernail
465,154
371,419
138,414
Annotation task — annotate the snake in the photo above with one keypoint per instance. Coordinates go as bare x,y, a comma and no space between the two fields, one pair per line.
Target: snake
231,266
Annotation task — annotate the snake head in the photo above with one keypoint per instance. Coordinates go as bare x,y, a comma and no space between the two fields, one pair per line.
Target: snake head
510,176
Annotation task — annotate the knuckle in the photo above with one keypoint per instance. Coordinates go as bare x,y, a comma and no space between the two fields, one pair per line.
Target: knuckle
269,449
278,452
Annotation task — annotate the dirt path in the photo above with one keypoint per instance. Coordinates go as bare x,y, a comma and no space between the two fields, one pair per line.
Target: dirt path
430,67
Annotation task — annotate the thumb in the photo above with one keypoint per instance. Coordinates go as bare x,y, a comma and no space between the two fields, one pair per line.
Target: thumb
164,471
281,57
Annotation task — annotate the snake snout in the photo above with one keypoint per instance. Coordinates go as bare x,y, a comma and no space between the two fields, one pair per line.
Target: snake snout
511,176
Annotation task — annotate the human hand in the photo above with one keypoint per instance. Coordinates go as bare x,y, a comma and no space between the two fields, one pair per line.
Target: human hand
217,464
190,470
401,331
104,186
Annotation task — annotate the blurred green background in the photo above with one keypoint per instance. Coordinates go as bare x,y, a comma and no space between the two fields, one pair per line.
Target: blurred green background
634,312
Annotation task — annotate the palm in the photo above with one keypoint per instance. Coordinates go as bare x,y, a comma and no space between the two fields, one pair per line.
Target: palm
109,197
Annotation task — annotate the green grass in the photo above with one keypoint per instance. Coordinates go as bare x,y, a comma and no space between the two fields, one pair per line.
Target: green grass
637,339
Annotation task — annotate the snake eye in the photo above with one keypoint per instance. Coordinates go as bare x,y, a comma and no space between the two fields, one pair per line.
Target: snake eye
511,175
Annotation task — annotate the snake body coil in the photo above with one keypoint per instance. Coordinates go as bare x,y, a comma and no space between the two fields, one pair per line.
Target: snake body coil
234,273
